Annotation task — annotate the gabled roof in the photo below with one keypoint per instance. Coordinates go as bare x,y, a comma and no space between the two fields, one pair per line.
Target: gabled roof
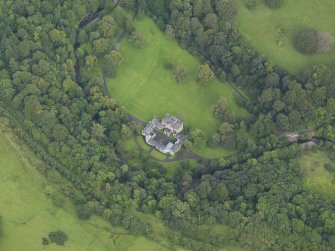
172,121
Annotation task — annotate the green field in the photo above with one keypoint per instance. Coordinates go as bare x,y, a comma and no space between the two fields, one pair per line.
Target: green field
28,214
147,89
260,27
316,177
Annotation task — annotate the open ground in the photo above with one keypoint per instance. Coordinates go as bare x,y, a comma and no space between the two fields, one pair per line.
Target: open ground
272,32
316,177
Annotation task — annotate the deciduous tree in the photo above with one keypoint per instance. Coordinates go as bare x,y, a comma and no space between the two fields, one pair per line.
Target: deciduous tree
204,74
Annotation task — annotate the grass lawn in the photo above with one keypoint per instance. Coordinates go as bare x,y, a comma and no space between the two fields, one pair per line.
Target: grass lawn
158,155
28,214
316,177
260,27
147,89
142,143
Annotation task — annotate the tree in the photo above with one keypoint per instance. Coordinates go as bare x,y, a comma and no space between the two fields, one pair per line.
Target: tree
226,128
282,121
204,74
126,131
90,62
180,73
220,111
272,79
226,8
100,45
6,90
111,62
274,4
264,126
220,192
57,37
136,39
169,31
198,138
211,21
114,58
215,139
204,189
107,27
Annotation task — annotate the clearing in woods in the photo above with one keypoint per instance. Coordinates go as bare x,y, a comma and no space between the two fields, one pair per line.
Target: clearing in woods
146,88
316,175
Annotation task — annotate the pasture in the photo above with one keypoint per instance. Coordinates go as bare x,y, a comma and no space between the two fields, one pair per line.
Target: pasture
28,214
316,177
272,32
146,88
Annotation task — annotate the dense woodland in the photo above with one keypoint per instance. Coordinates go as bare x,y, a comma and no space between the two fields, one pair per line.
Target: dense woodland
72,124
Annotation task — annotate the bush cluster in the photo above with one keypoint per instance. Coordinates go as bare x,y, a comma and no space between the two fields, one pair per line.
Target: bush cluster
274,4
306,41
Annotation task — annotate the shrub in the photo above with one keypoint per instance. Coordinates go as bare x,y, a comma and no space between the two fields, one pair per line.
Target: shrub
331,155
250,4
306,41
180,74
58,237
168,66
329,167
45,241
83,212
274,4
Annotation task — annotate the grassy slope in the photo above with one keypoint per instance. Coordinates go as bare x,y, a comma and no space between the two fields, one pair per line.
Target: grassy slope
28,214
146,89
260,27
316,177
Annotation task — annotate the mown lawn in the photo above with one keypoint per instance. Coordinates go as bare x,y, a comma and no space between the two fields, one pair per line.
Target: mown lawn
158,155
147,89
28,214
316,177
261,28
141,142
